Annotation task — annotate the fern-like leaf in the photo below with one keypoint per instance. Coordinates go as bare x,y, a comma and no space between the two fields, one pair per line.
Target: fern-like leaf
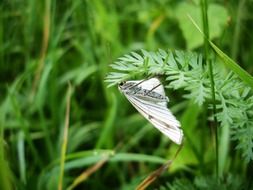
185,70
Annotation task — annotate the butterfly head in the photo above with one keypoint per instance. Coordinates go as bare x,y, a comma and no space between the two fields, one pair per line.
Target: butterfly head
121,83
123,86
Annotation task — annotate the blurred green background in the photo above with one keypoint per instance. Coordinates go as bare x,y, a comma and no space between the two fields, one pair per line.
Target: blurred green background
46,45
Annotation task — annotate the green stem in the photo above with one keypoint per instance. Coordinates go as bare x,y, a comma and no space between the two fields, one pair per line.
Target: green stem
236,37
210,67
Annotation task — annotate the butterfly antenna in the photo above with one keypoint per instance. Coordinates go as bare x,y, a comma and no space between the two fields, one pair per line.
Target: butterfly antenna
144,81
137,84
152,89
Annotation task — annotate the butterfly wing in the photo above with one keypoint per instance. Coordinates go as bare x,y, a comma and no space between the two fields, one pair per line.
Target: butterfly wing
152,84
160,116
155,110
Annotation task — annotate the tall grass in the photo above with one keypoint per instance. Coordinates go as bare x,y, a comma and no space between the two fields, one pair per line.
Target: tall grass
44,45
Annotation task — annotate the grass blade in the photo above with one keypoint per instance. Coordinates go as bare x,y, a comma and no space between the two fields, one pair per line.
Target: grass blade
228,62
88,172
65,139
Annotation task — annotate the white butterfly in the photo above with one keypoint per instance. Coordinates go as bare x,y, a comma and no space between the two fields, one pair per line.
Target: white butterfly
149,98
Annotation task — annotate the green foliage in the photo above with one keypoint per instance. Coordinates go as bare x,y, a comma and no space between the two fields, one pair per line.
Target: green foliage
186,70
45,45
232,182
217,14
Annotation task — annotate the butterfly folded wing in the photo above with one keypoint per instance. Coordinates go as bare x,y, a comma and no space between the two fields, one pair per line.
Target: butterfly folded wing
160,116
148,97
156,110
153,84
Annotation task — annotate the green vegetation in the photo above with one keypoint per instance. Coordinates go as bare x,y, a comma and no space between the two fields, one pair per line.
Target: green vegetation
65,125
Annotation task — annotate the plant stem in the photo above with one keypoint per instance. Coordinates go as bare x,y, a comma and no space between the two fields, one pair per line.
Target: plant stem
237,31
65,138
204,9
